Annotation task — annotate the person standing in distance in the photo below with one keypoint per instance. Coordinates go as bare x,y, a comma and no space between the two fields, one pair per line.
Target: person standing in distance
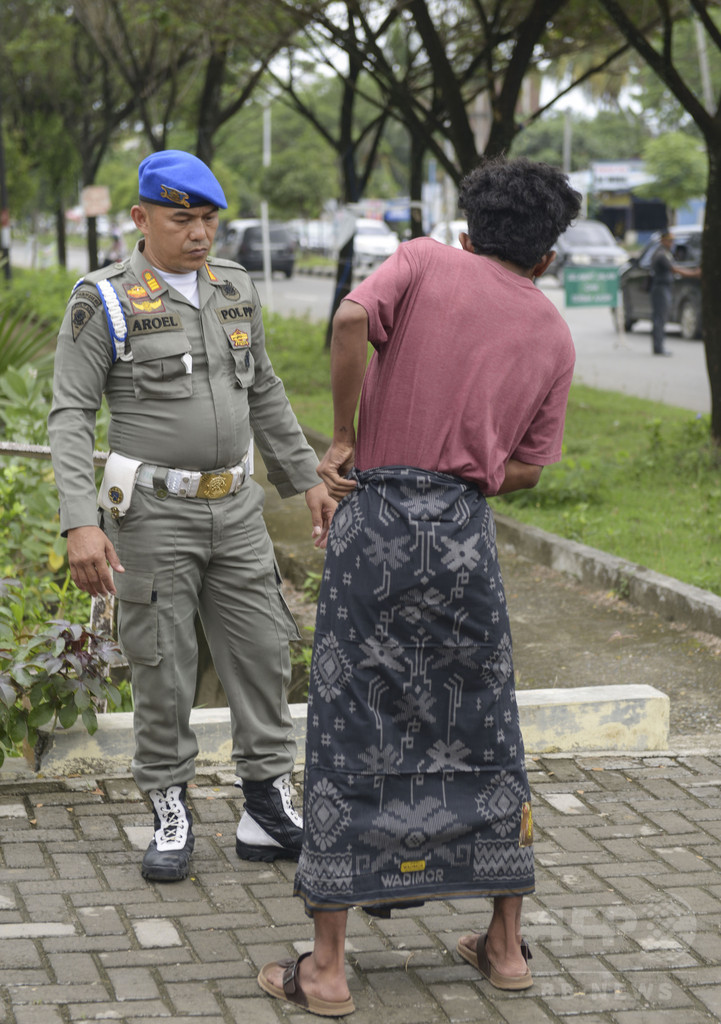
415,781
663,270
174,339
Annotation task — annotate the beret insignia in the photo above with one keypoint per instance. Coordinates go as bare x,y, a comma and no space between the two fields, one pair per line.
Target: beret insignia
174,195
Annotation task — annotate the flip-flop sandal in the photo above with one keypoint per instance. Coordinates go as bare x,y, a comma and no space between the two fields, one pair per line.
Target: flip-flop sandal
478,958
291,992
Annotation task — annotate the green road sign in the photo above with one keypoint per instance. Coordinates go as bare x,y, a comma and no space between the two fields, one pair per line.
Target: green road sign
591,286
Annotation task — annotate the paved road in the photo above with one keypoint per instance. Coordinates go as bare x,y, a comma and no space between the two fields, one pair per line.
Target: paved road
604,358
623,362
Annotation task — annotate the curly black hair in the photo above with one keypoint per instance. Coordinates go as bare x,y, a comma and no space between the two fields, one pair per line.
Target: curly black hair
516,209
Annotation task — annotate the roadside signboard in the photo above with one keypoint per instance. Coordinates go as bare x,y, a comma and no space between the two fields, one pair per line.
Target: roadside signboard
591,286
95,200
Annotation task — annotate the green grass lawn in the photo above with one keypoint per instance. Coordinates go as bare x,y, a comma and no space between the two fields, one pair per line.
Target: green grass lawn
638,479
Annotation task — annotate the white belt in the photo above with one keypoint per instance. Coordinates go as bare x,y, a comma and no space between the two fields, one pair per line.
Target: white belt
190,483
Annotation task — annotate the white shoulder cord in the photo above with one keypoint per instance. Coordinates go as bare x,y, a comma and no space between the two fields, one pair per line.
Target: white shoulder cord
117,324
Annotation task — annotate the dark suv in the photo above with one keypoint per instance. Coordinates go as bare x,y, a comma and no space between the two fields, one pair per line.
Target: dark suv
635,283
242,241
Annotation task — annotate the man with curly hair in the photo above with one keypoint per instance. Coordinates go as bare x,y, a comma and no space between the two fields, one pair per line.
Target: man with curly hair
416,787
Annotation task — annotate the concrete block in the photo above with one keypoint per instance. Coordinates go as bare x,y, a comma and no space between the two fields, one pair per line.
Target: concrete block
632,717
623,717
110,749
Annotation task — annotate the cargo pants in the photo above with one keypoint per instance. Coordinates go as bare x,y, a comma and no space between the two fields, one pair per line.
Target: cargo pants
188,556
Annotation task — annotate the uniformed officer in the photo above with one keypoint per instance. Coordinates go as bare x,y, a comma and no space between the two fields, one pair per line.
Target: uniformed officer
175,341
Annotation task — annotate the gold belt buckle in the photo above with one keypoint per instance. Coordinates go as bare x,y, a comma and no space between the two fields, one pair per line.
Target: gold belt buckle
214,485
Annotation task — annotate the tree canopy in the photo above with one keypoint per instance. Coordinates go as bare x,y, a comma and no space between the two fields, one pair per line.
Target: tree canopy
679,169
384,87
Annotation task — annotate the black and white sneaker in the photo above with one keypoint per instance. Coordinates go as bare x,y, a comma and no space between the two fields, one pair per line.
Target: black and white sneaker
270,827
167,859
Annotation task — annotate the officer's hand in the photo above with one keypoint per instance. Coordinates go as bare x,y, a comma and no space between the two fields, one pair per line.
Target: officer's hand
89,552
321,507
334,468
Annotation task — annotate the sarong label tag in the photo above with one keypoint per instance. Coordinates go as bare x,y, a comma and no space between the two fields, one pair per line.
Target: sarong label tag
413,865
526,836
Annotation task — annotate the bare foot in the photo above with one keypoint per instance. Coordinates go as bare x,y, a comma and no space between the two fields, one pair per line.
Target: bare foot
321,984
508,963
470,941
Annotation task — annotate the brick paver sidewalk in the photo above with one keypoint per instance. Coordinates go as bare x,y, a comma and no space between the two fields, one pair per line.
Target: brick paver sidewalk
624,926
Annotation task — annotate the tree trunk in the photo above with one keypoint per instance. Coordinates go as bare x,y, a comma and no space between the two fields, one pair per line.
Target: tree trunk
343,284
60,235
209,106
711,283
415,185
351,190
92,243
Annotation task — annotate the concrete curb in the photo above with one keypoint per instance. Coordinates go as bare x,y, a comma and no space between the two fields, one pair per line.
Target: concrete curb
627,718
672,600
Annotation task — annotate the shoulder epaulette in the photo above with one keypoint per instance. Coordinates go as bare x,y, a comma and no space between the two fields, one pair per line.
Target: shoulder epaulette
216,261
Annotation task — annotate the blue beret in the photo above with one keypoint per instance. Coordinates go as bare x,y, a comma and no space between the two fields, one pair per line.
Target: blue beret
174,178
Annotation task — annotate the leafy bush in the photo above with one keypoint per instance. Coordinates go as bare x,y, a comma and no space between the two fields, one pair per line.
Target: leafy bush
22,337
24,399
40,294
50,673
30,542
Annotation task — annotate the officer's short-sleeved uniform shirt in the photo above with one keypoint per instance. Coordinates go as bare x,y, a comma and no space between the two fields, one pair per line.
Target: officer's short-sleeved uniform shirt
185,387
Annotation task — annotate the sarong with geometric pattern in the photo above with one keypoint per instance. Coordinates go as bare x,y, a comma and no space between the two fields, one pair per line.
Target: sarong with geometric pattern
415,781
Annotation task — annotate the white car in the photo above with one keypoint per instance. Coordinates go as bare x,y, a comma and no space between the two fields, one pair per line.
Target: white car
447,231
373,242
587,243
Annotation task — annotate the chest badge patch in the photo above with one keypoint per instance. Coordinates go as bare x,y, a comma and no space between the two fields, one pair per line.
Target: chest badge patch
135,291
239,339
147,306
229,290
151,281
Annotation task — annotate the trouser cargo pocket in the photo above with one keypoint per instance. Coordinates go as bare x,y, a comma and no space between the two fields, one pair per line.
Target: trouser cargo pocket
138,617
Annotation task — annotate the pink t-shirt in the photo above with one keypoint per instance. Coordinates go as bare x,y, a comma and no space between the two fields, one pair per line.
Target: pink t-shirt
472,366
